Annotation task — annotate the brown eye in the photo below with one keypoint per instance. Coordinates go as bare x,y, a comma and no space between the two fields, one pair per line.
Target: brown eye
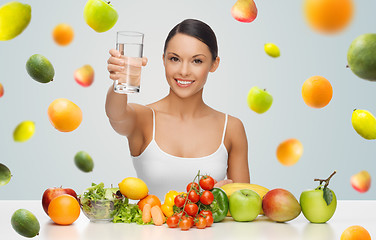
173,59
197,61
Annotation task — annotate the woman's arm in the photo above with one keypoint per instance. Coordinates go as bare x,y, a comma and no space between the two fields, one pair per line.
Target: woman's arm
237,170
121,115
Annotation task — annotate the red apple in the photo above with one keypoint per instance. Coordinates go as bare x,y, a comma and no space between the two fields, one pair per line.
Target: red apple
84,75
244,11
1,90
361,181
51,193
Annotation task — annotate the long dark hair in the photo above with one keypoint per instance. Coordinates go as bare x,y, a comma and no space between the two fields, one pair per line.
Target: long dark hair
198,29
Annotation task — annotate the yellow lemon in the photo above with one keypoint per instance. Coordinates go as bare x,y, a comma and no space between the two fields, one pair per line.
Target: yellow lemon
14,18
272,50
133,188
24,131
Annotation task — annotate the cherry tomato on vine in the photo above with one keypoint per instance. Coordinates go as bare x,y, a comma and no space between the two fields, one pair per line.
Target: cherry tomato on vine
191,209
173,221
206,182
179,201
193,196
206,212
185,224
207,197
200,223
194,186
209,220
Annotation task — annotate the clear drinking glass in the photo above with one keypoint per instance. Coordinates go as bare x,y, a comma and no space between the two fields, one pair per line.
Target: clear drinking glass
130,46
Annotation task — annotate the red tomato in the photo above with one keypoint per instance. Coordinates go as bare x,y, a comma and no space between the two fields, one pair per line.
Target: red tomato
209,220
191,209
200,223
207,197
207,182
179,200
206,212
194,186
173,221
185,224
193,196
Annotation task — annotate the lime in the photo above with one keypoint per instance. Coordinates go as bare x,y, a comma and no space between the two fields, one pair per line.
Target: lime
272,50
83,161
5,175
40,68
25,223
24,131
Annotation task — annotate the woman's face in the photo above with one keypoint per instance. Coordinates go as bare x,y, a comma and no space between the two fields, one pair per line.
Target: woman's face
187,63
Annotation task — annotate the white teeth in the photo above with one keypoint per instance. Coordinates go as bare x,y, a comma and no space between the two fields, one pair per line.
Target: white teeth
184,82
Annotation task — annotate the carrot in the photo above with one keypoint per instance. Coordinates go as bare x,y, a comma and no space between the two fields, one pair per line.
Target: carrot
146,213
157,215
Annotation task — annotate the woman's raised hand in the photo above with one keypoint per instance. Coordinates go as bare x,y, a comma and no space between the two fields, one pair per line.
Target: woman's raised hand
116,63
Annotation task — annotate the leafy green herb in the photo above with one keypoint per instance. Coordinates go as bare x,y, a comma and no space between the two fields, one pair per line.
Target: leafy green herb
129,213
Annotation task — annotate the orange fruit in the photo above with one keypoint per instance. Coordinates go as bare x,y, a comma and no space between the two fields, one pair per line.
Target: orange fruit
289,151
317,92
63,34
151,199
355,233
64,115
64,209
328,16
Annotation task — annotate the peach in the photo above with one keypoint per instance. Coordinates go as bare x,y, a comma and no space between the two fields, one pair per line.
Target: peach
244,11
361,181
84,75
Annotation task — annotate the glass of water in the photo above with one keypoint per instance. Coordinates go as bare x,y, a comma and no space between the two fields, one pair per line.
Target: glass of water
130,46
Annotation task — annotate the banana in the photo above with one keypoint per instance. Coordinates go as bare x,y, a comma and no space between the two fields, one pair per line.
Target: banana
233,187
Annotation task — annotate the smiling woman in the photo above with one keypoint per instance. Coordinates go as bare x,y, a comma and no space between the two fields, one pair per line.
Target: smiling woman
173,138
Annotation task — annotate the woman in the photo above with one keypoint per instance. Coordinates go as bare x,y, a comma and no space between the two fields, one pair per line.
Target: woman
173,138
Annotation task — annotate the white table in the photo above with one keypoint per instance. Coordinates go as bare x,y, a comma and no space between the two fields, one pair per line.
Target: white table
348,213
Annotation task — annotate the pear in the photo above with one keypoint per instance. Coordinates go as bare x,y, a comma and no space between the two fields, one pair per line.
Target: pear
244,11
364,123
14,18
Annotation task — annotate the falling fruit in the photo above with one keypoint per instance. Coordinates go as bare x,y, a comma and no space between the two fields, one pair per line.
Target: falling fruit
272,50
40,68
364,123
83,161
259,100
84,75
25,223
63,34
24,131
361,56
244,11
14,18
100,15
361,181
317,92
1,90
64,115
5,175
328,16
355,232
289,151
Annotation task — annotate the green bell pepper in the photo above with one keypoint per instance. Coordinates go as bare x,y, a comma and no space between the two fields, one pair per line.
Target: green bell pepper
219,206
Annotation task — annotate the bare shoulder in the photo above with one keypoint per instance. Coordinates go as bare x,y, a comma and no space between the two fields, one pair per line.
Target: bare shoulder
235,125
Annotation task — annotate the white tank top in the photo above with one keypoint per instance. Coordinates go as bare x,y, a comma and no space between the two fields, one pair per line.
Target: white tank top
163,172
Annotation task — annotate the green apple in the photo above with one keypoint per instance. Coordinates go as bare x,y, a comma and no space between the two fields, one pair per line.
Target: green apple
318,205
259,100
14,18
245,205
100,15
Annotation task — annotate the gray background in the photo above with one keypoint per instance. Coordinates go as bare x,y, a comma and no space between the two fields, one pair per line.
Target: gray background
330,142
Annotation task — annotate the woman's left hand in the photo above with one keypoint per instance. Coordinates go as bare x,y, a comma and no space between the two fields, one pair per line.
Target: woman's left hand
223,182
